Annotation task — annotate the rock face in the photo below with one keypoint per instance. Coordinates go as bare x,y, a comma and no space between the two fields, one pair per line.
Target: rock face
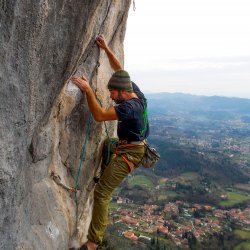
44,118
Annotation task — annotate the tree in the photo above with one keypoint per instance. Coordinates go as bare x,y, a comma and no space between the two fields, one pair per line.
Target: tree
152,241
191,239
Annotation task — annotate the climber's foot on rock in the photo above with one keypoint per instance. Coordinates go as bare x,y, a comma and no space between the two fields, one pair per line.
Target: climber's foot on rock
96,179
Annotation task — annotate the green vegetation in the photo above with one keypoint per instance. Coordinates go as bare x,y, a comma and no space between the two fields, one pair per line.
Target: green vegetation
162,183
178,159
243,246
113,205
244,235
141,180
189,176
167,195
234,198
114,241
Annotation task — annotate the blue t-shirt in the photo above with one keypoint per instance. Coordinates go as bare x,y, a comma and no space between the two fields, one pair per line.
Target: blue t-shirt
132,118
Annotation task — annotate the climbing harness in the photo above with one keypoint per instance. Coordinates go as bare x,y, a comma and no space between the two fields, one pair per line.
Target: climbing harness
131,165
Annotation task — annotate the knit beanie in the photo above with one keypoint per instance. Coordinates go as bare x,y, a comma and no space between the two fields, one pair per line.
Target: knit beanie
120,80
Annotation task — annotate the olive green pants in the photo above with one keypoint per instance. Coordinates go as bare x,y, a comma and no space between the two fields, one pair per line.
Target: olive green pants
112,175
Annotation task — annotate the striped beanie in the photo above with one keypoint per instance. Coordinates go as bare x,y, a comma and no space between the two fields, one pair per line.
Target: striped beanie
120,80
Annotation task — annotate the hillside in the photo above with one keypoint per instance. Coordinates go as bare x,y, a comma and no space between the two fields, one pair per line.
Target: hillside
176,159
197,196
208,135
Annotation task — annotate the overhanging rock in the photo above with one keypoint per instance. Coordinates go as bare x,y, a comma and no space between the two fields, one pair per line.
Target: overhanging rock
44,116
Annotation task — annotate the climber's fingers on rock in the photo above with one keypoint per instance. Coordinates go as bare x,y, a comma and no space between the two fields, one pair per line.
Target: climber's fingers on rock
84,78
101,37
73,79
76,80
100,40
81,82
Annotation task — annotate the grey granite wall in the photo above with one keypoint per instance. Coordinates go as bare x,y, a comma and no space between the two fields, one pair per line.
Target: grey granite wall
43,116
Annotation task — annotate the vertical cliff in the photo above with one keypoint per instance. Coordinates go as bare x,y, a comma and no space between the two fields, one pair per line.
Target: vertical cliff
44,117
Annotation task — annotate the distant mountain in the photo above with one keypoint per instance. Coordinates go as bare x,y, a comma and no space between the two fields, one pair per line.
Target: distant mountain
212,106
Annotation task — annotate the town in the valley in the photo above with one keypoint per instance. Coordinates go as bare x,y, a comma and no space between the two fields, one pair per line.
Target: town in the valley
176,220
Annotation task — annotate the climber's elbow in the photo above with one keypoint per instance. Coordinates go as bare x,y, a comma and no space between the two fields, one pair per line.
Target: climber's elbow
98,118
106,115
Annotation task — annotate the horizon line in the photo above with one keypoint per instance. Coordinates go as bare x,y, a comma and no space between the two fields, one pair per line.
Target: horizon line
185,93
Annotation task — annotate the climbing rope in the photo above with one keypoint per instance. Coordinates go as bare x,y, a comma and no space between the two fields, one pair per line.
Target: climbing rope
83,153
56,177
82,157
111,141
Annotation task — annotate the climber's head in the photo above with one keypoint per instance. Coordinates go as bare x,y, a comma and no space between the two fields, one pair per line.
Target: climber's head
117,95
120,80
120,86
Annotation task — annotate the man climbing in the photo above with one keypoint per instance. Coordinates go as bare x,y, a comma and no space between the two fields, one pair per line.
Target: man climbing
131,112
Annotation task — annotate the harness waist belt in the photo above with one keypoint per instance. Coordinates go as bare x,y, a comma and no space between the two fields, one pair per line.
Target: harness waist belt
124,142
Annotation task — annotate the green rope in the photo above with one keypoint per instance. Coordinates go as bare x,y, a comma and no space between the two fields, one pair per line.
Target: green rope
82,157
113,143
83,153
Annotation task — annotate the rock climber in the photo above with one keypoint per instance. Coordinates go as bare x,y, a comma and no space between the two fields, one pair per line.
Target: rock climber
131,112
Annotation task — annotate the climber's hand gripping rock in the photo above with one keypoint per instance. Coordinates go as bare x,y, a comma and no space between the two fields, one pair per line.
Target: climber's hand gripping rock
81,82
101,42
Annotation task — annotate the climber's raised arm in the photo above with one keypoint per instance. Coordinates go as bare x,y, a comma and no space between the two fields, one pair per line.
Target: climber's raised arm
113,60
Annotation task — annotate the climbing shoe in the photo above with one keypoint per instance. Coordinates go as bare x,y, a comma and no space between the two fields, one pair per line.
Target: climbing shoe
96,179
84,247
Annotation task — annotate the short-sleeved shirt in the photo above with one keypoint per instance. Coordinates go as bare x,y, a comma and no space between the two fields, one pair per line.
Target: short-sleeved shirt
132,118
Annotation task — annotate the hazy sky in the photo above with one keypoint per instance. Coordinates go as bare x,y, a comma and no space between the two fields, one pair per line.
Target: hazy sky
194,46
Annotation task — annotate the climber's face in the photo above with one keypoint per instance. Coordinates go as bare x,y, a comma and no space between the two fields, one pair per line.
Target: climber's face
116,96
113,94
